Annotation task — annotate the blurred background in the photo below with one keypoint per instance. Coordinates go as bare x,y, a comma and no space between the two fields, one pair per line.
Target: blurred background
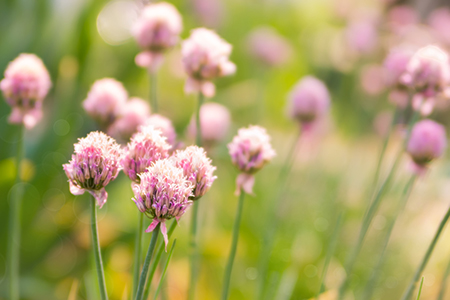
342,42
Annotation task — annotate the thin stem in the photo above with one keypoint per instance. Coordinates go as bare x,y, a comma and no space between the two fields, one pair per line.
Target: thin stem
163,275
404,199
420,289
148,258
234,242
97,252
14,223
444,283
193,246
197,120
137,253
153,266
154,91
408,293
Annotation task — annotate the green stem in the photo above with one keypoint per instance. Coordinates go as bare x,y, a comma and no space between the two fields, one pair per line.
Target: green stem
193,246
154,92
137,253
197,120
164,271
420,289
14,223
408,293
404,199
148,258
234,242
153,266
97,252
444,283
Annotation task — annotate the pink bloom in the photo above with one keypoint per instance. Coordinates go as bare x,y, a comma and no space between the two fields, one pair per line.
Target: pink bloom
439,21
205,58
134,113
250,150
269,47
215,121
428,73
157,29
24,87
105,100
210,12
165,125
162,194
309,100
426,142
94,164
197,168
401,17
362,36
372,79
146,146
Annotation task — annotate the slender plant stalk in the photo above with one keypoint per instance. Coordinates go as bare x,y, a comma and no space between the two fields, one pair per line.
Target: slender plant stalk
420,289
148,258
163,275
444,283
404,199
14,223
330,252
153,266
154,91
137,253
234,242
197,120
408,293
97,252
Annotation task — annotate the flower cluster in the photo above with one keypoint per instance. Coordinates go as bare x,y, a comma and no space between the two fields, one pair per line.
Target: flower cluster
205,58
24,87
197,168
163,193
250,150
146,146
269,47
165,125
94,165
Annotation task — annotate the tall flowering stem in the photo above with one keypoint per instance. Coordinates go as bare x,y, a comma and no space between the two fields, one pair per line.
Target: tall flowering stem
14,225
148,257
97,252
234,242
198,139
409,291
137,254
154,91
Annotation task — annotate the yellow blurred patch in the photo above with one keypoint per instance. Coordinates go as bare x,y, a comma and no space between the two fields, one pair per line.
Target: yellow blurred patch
8,170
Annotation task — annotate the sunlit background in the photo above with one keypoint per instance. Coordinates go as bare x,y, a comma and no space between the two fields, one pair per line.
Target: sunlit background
342,42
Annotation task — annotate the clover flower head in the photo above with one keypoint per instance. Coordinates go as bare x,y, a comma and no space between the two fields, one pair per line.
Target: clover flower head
165,125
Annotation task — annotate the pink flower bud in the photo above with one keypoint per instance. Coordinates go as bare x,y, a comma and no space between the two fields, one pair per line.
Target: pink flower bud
24,87
401,17
215,121
163,194
133,114
197,168
165,125
269,47
205,58
427,142
309,100
94,164
362,36
146,146
105,100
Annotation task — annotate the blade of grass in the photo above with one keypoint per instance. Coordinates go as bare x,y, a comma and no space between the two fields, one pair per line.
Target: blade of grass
420,289
163,275
444,283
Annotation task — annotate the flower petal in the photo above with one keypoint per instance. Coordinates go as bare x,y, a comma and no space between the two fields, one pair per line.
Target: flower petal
245,182
74,190
100,195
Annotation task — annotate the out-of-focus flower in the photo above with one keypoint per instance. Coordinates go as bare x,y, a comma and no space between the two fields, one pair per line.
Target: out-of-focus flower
401,17
250,150
24,87
309,100
210,12
426,142
428,73
205,58
95,163
215,121
395,66
197,168
146,146
165,125
439,20
105,100
157,29
134,113
162,194
269,47
372,79
362,36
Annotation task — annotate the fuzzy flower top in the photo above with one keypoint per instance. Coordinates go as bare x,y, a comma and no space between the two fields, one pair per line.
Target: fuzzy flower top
94,165
24,87
105,100
205,58
197,168
146,146
165,125
162,194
